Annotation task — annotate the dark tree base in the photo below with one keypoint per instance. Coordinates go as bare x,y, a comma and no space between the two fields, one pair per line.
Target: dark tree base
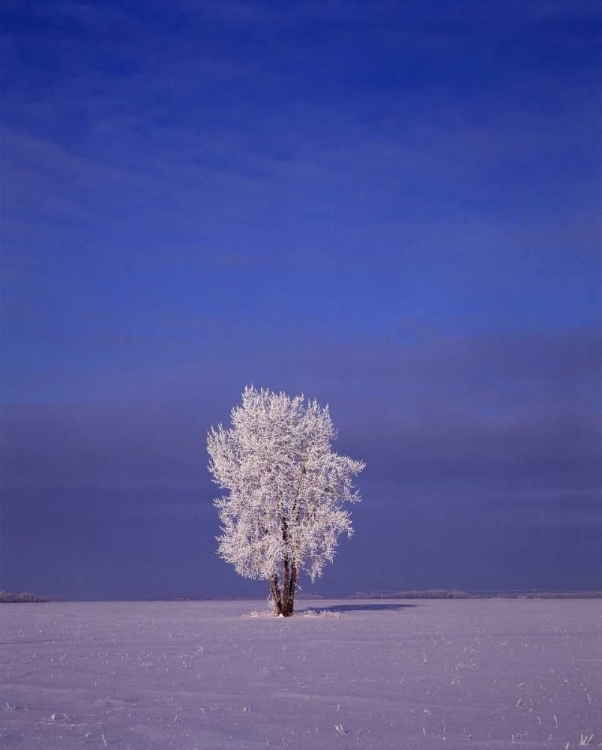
284,598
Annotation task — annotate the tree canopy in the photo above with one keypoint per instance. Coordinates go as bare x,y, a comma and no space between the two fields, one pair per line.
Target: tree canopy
284,510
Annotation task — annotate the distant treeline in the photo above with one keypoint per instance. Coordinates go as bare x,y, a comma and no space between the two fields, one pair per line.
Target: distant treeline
443,594
25,596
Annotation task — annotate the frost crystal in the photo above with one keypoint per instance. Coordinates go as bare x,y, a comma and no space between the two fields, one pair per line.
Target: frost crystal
283,511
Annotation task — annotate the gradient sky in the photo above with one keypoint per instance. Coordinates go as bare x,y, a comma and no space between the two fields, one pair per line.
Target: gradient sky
393,207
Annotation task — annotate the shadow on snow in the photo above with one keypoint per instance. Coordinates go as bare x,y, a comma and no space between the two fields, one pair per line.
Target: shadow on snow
361,607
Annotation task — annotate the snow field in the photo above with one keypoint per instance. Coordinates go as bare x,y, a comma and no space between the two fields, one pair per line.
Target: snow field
384,674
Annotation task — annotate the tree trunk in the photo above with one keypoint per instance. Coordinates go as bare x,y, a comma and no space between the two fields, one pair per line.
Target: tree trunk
275,593
284,598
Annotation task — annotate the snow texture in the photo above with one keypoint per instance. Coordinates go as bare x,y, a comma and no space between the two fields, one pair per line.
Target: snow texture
385,674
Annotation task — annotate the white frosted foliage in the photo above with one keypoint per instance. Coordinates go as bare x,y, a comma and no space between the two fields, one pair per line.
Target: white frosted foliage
285,486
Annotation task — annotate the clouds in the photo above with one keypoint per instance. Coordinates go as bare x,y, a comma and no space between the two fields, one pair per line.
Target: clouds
146,123
482,465
485,407
390,207
489,437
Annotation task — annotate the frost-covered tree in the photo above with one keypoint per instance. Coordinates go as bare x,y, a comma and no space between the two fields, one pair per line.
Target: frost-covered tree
283,512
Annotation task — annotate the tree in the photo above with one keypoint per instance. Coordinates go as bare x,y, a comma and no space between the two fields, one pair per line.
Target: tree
283,513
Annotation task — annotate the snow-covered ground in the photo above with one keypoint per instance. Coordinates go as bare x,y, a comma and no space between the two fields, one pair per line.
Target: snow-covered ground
385,674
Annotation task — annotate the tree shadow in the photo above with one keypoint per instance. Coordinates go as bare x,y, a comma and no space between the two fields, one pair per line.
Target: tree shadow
362,607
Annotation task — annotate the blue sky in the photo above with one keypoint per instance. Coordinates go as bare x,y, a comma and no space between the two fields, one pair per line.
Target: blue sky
393,207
